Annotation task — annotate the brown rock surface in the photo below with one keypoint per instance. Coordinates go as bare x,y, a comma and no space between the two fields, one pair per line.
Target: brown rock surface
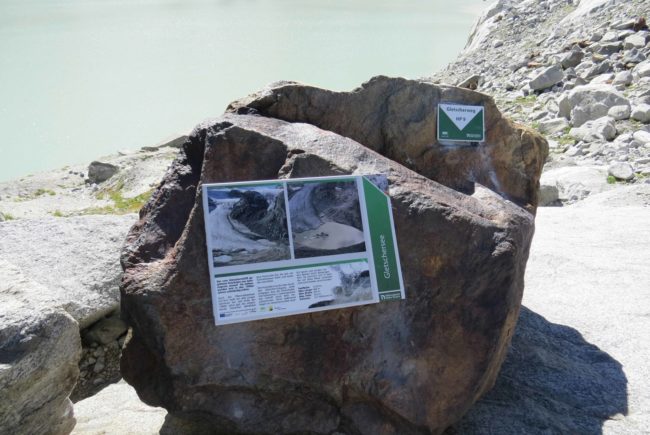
398,118
413,366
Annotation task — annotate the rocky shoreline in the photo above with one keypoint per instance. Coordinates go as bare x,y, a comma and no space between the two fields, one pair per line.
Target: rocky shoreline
577,72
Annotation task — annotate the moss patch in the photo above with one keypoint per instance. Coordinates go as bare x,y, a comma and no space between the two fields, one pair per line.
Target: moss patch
121,205
37,193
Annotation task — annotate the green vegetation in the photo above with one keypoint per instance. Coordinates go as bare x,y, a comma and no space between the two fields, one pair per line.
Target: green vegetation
41,192
57,213
611,179
8,216
37,193
527,101
636,125
566,139
121,205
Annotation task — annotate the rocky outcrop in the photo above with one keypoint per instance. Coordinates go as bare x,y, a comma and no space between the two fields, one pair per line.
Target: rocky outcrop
410,367
397,118
72,258
39,351
581,60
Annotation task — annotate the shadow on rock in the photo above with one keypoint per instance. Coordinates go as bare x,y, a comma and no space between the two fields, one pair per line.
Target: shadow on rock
552,381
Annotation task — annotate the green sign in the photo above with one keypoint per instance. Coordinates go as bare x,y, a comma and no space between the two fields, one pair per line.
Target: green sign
460,123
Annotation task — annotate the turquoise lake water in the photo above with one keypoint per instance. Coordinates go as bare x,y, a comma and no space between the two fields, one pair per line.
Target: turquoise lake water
85,78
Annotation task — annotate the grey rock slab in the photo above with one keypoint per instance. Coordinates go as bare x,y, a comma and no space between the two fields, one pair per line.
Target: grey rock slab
75,259
117,410
39,352
621,171
546,78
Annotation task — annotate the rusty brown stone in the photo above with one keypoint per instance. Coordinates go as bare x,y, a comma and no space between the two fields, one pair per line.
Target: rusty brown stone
397,118
407,367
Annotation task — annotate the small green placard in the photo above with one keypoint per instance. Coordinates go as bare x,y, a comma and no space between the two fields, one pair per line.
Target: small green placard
461,123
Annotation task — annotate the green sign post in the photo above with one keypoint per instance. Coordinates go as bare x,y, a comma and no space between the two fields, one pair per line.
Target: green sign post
461,123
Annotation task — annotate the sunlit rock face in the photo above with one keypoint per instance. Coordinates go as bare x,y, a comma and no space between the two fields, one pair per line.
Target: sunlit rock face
398,118
405,367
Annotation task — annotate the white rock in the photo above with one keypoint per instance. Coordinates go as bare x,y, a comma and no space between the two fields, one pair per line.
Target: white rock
76,259
610,37
117,410
642,136
548,195
571,59
623,78
641,113
564,106
39,356
619,112
551,126
600,129
546,78
590,102
621,171
642,69
636,40
576,182
603,79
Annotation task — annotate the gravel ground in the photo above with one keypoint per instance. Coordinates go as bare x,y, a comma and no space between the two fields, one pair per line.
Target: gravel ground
579,359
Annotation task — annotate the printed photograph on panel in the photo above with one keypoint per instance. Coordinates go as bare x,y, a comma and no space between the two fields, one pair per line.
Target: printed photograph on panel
338,284
325,218
248,224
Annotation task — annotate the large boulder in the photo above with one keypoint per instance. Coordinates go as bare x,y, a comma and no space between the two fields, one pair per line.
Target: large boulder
74,259
39,352
407,367
397,118
590,102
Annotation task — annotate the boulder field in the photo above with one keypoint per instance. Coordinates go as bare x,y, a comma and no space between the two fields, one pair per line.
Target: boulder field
408,367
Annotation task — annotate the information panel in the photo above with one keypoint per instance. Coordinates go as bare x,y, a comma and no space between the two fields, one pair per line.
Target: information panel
460,123
284,247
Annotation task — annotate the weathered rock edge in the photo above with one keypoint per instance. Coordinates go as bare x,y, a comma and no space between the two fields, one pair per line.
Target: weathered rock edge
413,366
398,118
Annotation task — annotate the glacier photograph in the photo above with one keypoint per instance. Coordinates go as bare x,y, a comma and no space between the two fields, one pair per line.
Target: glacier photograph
247,224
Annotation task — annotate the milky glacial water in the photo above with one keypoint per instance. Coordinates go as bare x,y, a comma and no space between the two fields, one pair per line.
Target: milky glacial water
85,78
